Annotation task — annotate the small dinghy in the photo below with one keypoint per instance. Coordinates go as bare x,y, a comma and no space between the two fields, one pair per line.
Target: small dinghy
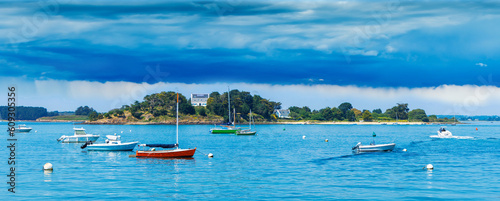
113,143
359,148
373,147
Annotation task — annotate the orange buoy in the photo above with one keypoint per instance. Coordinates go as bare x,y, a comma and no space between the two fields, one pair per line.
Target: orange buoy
476,128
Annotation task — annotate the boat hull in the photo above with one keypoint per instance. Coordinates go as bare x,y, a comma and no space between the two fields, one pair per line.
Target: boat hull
129,146
223,131
23,130
246,133
375,148
78,139
451,137
174,153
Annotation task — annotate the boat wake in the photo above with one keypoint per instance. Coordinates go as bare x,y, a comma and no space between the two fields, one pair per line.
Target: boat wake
451,137
323,161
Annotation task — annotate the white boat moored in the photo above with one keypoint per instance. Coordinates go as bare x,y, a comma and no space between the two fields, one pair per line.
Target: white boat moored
373,147
78,137
23,129
113,143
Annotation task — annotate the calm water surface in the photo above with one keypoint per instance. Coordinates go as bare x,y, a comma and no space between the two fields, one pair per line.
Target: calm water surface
275,164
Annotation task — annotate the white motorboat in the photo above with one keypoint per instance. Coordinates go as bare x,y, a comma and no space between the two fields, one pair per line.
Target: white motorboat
78,137
373,147
113,143
23,129
443,133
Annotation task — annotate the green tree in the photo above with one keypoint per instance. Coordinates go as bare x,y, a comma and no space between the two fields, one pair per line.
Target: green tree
377,111
326,113
93,116
200,110
357,113
316,115
367,116
345,107
84,110
417,115
432,118
398,112
350,116
337,114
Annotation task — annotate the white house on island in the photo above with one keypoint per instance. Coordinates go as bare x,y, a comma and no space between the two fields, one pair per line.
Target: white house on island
199,99
283,113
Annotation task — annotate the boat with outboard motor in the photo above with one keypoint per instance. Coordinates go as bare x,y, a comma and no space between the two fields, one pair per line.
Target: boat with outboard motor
78,137
443,133
373,147
113,143
359,148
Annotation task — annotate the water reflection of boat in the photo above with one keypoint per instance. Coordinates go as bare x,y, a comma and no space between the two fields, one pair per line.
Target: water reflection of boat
113,143
78,137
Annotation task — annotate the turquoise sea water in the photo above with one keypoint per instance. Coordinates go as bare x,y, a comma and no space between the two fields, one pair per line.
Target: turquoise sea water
276,164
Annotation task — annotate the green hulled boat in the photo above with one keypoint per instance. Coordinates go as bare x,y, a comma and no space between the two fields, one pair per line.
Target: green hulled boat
224,130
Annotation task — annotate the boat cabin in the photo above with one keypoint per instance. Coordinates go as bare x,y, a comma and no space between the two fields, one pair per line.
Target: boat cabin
79,131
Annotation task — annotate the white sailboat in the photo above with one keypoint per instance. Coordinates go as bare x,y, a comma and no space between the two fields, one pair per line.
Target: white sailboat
230,128
167,153
249,130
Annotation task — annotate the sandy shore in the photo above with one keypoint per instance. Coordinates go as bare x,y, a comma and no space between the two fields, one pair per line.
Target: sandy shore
258,123
352,123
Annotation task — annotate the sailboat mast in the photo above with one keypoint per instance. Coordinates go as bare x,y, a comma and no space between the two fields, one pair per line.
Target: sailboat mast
234,113
177,121
229,105
250,122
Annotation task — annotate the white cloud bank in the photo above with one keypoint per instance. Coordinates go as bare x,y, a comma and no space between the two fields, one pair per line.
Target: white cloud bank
446,99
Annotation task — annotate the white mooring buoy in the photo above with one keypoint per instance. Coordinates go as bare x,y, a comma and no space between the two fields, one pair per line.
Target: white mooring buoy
303,137
326,140
404,149
210,155
47,166
429,167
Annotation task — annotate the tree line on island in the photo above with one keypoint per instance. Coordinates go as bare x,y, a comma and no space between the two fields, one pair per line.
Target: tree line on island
162,106
346,112
27,112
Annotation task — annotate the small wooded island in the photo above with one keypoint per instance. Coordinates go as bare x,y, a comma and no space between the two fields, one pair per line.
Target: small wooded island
159,108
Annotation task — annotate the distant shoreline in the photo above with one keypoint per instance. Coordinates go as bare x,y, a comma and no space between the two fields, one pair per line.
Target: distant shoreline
243,124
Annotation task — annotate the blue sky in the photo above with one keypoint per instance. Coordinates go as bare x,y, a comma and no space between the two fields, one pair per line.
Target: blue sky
368,45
